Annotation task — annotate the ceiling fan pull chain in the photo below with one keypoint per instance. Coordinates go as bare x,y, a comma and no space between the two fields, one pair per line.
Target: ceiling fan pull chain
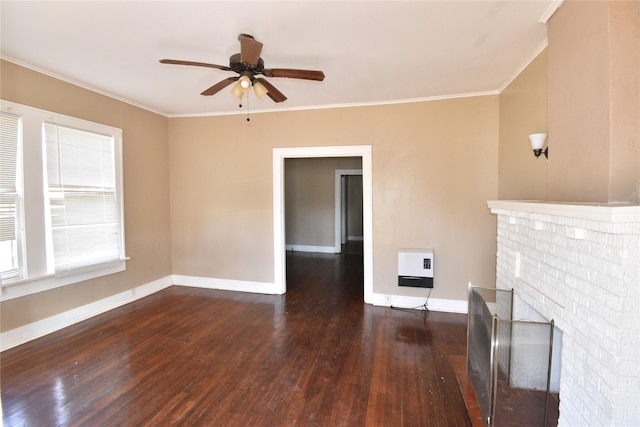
248,111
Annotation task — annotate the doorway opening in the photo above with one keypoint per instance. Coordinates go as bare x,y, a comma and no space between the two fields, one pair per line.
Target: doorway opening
348,209
279,248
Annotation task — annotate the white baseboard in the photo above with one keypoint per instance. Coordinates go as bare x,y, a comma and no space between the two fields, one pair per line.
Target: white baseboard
31,331
226,284
306,248
433,304
40,328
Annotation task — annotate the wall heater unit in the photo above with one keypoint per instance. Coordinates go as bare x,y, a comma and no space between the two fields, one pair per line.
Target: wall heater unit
415,268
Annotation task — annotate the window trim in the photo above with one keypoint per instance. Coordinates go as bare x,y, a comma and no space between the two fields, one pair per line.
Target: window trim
19,213
38,269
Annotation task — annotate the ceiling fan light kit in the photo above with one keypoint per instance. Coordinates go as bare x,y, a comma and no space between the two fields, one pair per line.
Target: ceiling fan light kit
248,64
236,90
245,83
243,86
259,89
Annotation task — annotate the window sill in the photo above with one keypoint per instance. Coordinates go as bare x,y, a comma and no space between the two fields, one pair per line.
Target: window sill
23,287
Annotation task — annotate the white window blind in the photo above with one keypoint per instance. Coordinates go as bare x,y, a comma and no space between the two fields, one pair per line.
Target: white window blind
9,142
83,203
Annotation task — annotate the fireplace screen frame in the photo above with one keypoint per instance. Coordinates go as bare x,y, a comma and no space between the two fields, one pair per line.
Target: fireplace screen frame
508,361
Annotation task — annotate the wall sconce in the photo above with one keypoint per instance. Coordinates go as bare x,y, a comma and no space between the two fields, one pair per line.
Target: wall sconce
537,142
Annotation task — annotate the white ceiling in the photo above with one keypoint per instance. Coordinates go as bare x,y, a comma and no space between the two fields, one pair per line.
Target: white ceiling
370,51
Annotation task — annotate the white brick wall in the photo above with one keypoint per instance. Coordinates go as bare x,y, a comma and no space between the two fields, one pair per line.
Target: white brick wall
580,266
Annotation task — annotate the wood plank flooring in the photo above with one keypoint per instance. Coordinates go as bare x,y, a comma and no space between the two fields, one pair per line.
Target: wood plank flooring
316,356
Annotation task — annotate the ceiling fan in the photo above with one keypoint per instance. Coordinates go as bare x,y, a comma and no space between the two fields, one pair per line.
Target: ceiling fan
248,64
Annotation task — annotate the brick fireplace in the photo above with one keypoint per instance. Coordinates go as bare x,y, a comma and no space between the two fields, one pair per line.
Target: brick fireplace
579,264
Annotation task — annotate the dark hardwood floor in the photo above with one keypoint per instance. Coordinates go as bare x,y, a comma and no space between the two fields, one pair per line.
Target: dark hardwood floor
317,356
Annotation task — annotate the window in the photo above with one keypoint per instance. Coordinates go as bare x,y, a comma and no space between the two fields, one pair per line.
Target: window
71,204
82,197
10,262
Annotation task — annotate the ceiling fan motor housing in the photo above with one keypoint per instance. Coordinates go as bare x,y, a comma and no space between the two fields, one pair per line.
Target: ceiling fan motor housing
238,66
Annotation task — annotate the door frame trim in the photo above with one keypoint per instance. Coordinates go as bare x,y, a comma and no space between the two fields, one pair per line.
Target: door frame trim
279,254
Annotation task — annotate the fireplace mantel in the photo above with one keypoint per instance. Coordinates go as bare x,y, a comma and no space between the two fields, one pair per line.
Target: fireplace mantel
579,264
608,212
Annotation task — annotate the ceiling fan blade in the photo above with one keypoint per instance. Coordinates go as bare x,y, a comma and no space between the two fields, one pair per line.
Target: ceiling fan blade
294,74
273,93
250,49
219,86
197,64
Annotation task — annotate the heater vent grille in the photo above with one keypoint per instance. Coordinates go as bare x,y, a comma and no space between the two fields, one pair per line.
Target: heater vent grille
415,268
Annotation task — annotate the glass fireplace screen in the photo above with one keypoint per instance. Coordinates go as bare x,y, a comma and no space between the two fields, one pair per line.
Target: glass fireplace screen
508,361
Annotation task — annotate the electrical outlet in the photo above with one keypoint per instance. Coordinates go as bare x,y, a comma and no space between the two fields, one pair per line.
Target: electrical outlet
387,299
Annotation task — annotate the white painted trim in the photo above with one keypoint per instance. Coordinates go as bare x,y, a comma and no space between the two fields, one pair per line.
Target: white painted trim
279,257
81,85
32,285
36,245
612,213
315,249
279,154
40,328
236,111
225,284
433,304
524,65
338,204
448,305
346,105
555,5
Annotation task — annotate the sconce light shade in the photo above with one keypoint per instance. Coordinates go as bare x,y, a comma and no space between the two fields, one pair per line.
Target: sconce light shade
537,142
259,89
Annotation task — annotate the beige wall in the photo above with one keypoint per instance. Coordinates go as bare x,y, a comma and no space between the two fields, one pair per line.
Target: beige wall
354,206
310,199
523,111
594,102
624,45
434,167
435,164
146,191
